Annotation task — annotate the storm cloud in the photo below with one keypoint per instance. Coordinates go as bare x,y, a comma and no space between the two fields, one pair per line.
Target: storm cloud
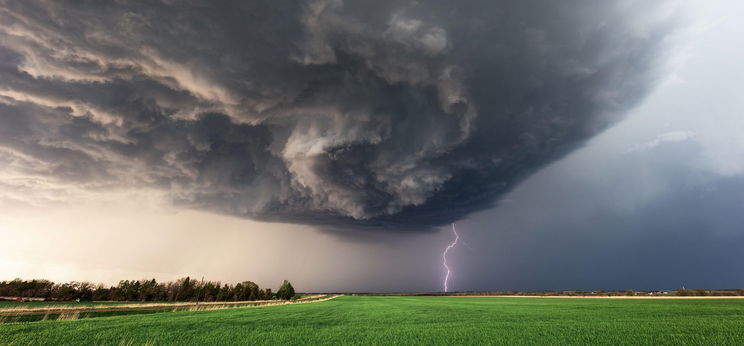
407,114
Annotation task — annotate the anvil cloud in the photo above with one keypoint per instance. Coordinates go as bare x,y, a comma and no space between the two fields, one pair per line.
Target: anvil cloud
407,114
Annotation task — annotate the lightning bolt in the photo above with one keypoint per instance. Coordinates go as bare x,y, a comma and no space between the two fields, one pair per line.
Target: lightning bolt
444,257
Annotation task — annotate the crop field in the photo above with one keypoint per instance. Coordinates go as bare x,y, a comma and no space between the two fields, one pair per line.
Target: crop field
413,320
7,304
43,311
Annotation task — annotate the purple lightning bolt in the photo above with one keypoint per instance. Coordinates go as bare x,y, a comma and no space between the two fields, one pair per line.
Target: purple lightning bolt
444,256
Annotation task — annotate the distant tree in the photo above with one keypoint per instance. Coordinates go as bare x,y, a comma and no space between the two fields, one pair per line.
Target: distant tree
629,293
251,290
186,290
701,292
210,290
224,294
171,289
101,293
66,291
183,289
285,291
239,292
85,291
148,290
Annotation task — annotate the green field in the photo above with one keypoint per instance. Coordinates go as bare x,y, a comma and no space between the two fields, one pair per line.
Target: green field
92,314
6,304
417,320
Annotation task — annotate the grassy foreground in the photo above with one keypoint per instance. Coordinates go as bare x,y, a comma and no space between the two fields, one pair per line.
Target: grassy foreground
418,320
5,305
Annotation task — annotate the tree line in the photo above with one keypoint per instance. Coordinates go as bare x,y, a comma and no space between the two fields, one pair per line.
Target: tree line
182,290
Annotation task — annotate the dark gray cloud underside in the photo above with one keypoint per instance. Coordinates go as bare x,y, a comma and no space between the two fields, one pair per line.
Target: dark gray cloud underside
397,114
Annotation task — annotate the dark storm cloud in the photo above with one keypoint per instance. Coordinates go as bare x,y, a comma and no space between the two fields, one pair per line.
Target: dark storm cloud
658,218
397,113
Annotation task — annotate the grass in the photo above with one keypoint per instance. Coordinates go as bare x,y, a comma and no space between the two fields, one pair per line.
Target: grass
413,320
8,305
72,315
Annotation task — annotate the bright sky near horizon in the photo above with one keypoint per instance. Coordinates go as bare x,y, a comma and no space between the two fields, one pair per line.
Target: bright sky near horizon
654,201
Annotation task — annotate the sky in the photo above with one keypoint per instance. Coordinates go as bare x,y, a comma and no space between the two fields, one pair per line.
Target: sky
576,145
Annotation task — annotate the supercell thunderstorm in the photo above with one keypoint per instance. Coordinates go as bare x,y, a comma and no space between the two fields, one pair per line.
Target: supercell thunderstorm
405,114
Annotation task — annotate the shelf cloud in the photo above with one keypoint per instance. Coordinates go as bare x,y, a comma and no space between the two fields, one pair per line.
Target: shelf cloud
348,114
